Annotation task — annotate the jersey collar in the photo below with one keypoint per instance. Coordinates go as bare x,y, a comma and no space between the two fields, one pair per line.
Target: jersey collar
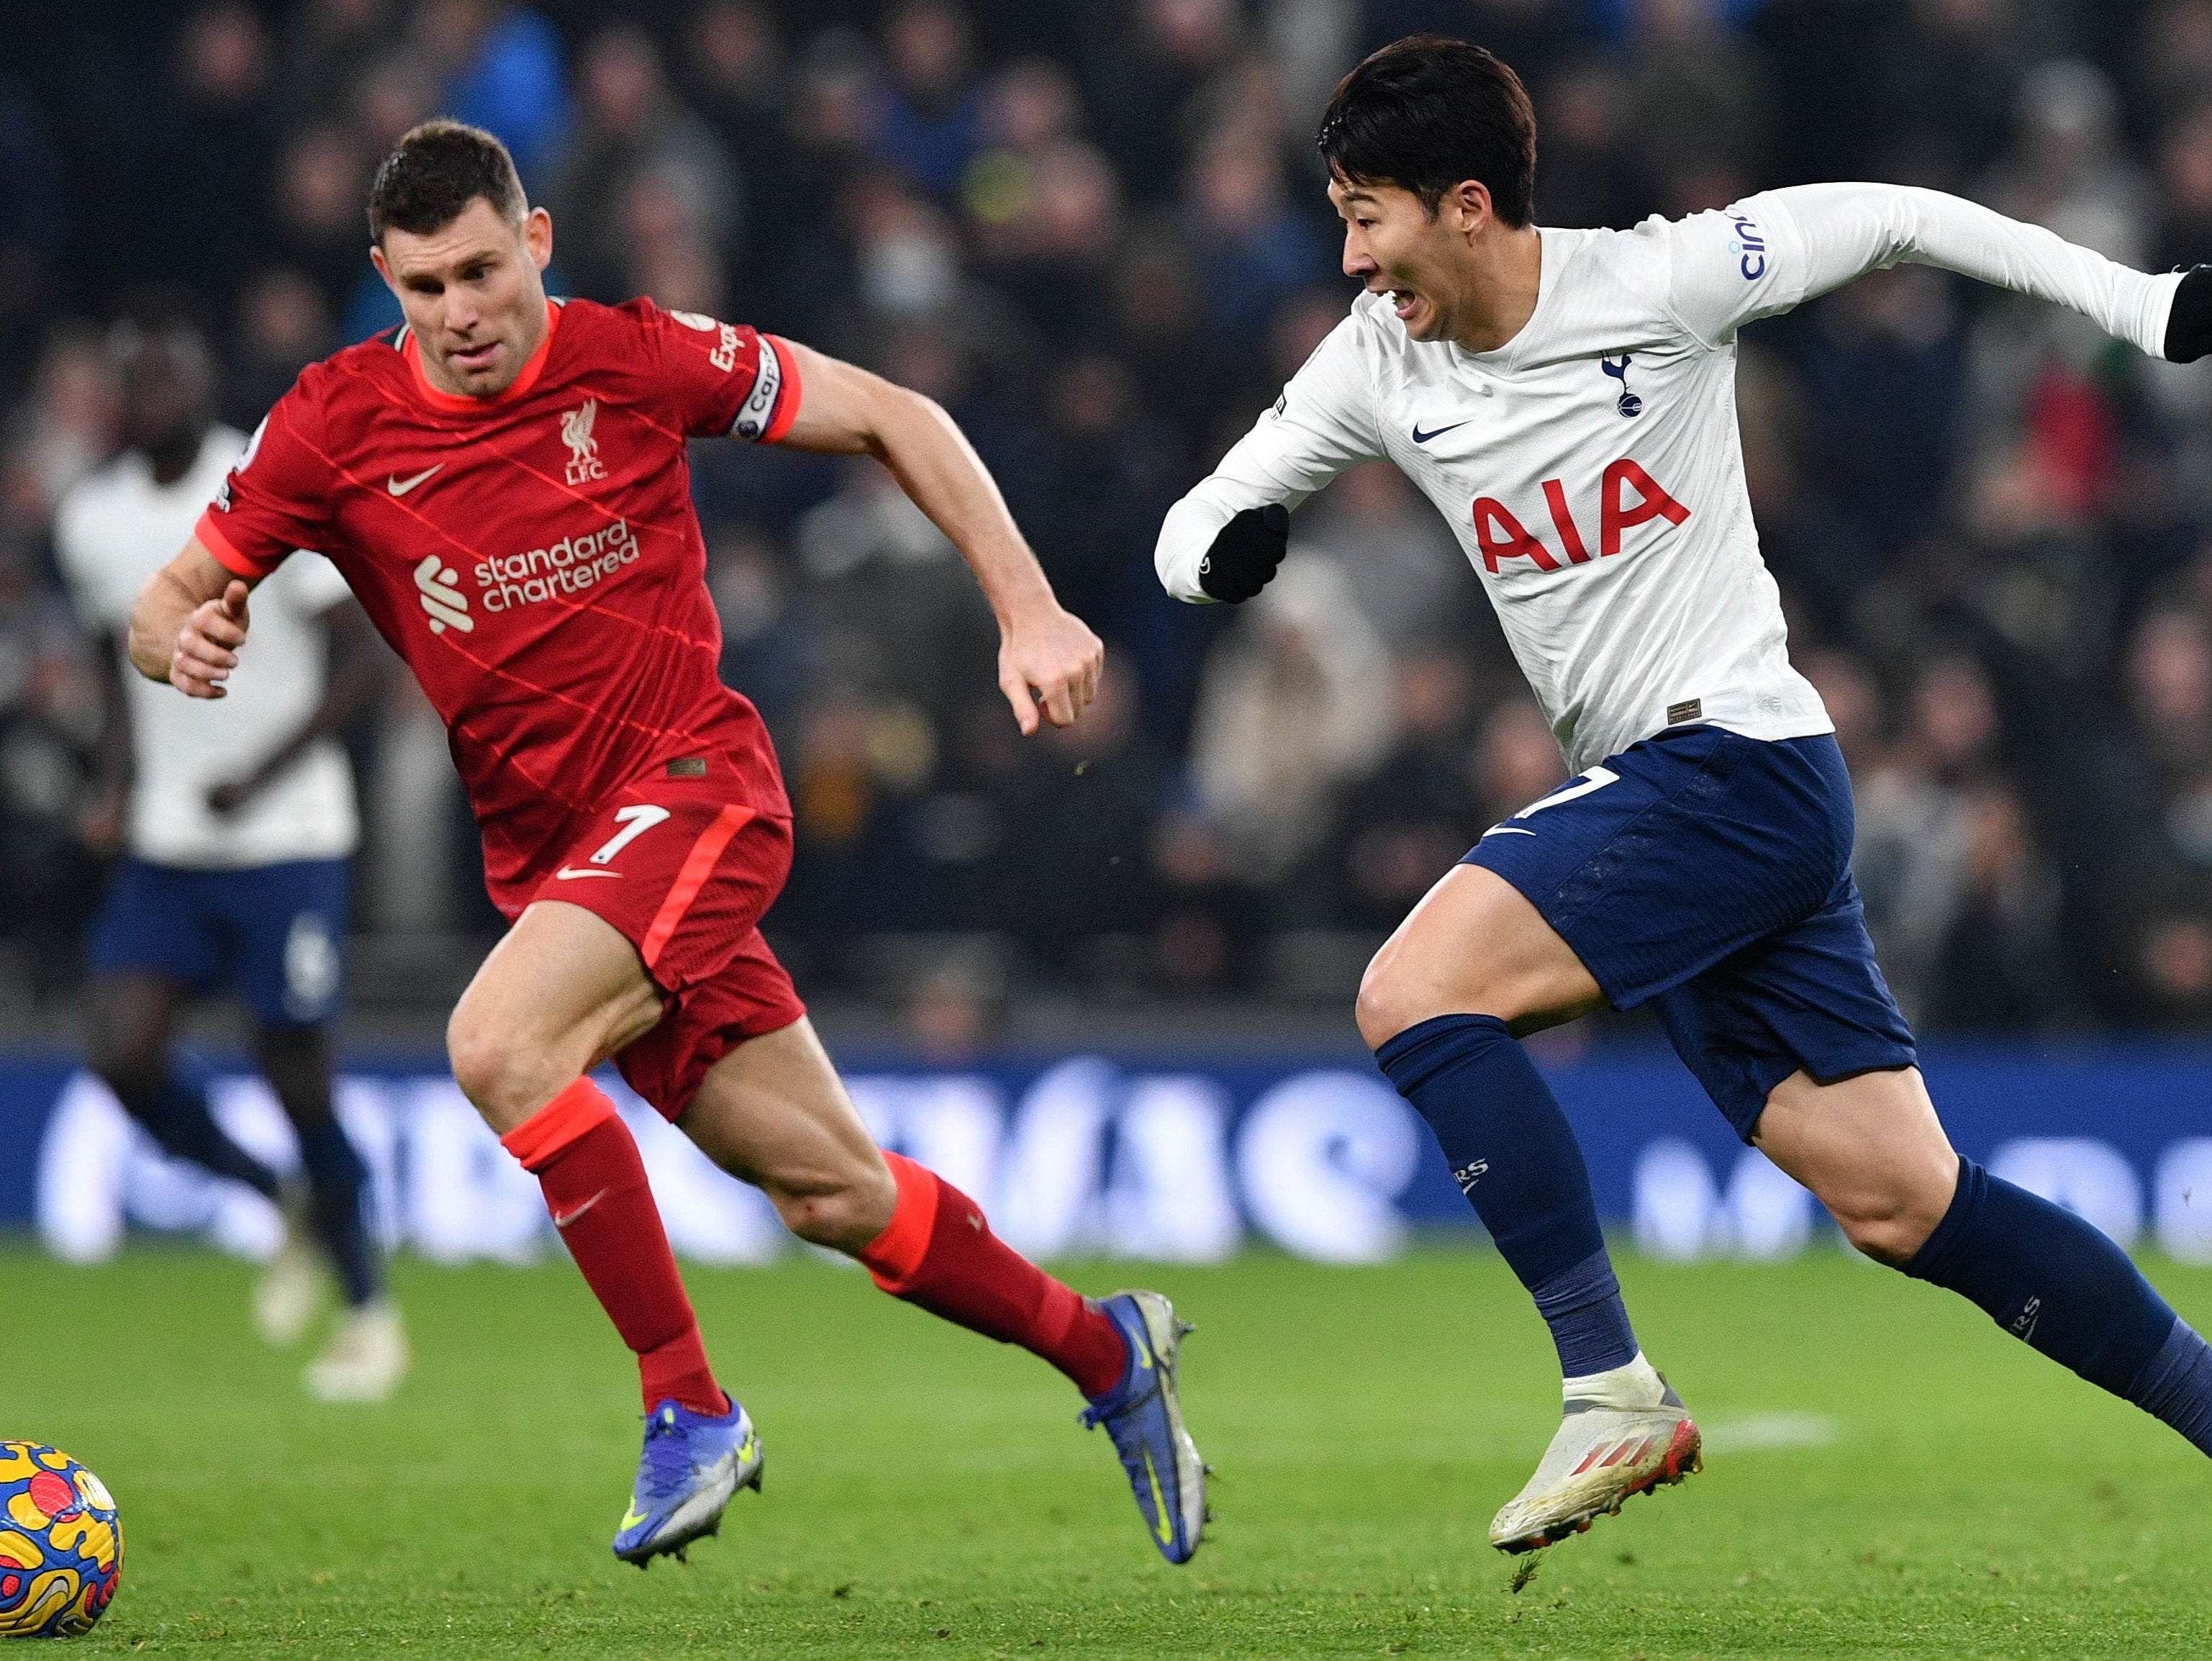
409,350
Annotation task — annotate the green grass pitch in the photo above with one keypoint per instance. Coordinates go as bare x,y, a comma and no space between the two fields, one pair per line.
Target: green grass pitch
929,1493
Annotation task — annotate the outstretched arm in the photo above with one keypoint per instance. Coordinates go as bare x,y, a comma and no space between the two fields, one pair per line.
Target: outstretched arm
1225,540
189,621
1777,249
1047,658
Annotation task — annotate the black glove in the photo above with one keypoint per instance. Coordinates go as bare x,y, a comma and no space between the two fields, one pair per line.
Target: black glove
2189,325
1244,556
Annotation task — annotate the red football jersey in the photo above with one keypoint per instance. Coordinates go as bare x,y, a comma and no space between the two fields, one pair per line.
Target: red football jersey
533,556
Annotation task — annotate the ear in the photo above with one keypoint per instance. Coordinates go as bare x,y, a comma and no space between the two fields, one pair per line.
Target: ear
1466,208
537,237
383,268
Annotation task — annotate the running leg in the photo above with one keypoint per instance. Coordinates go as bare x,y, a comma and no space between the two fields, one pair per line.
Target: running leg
563,992
773,1112
1473,967
1872,1148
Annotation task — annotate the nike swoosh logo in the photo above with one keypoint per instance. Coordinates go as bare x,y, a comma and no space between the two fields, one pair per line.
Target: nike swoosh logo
1420,437
1504,830
631,1518
562,1219
400,487
570,874
1162,1529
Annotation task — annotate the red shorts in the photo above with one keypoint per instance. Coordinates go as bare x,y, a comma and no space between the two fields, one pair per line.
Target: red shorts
685,875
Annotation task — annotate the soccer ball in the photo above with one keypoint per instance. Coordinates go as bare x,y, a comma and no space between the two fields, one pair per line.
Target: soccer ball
61,1543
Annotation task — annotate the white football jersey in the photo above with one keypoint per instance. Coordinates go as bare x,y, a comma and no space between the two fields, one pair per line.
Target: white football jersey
1590,467
111,532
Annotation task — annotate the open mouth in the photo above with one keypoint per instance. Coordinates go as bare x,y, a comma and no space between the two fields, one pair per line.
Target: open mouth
473,357
1406,302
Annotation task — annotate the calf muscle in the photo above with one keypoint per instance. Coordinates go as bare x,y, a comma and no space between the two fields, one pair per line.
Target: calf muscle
1871,1148
774,1113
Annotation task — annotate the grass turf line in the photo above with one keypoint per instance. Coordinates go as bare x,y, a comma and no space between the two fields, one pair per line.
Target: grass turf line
929,1493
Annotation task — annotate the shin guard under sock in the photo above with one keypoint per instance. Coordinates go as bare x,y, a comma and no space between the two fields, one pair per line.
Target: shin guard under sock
938,1253
339,1207
588,1163
1515,1156
2064,1288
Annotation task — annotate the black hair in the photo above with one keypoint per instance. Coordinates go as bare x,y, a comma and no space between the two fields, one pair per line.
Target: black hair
438,169
1425,113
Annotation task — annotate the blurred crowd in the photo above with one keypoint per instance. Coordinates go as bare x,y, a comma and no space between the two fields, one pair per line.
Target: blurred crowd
1096,232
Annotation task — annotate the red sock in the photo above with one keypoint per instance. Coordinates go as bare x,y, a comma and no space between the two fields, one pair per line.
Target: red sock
937,1252
587,1161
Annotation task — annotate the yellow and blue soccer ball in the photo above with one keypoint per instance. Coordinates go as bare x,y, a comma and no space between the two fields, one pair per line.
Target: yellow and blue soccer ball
61,1543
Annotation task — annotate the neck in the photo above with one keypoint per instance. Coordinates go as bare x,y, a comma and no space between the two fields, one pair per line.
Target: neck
1501,294
173,458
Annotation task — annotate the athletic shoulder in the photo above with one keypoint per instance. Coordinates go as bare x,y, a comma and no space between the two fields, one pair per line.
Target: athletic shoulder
352,379
1619,274
382,355
90,494
710,376
646,322
1708,273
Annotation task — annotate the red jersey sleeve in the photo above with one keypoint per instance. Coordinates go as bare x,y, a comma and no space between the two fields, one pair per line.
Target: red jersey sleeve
275,498
722,377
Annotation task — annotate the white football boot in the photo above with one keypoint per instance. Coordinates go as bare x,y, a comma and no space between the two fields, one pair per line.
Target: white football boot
365,1360
289,1293
1624,1432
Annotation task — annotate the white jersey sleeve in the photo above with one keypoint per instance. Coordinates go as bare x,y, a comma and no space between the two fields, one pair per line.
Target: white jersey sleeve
1324,423
1772,251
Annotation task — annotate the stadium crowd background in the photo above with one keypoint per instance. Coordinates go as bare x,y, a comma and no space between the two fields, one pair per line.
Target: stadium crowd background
1095,232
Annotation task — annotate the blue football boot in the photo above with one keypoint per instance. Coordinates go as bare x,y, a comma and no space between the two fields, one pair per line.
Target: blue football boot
691,1466
1144,1415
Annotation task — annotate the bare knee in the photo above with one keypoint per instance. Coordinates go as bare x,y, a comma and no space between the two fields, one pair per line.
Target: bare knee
1391,1000
1889,1226
506,1079
845,1211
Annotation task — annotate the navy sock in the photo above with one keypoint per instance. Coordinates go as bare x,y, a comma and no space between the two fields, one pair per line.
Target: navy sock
1515,1156
177,1116
2176,1385
337,1207
2066,1289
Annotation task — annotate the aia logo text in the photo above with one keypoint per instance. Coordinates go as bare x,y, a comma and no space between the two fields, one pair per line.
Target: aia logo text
1502,536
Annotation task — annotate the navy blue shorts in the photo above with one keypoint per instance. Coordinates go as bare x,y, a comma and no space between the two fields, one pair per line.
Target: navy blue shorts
1710,875
273,933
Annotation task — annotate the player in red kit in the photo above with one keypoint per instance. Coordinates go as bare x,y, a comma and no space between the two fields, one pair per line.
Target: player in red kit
503,482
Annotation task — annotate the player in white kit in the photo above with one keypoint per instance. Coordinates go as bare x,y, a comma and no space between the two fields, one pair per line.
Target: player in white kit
237,824
1567,400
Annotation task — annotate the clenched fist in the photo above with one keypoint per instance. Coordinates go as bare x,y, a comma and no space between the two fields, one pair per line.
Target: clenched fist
208,643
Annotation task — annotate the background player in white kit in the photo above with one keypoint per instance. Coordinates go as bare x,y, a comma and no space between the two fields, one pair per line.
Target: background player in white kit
237,823
1566,399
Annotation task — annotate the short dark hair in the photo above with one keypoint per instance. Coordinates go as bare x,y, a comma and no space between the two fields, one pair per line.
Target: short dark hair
438,169
1428,111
